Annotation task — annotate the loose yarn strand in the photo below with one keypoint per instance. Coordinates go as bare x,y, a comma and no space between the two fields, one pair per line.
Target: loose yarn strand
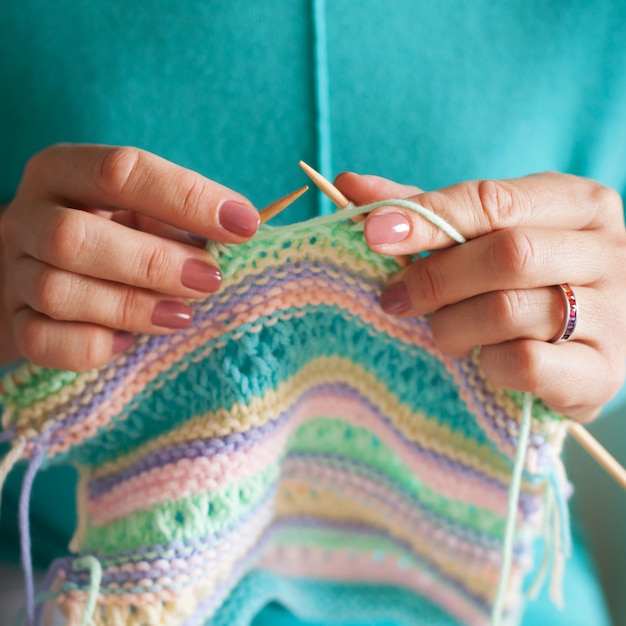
95,578
287,232
512,506
548,548
24,526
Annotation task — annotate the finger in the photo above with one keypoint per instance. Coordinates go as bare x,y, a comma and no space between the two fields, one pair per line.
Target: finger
364,189
65,296
475,208
66,345
503,260
83,243
571,378
502,316
128,178
155,227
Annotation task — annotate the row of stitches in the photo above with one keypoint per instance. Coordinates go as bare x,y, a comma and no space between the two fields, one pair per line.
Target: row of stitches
371,398
106,393
475,578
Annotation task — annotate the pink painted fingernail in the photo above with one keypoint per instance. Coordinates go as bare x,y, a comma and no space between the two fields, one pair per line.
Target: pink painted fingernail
122,341
395,299
386,228
239,219
201,276
172,314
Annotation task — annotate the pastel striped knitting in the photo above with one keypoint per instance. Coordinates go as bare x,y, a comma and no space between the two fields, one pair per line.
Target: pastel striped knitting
295,443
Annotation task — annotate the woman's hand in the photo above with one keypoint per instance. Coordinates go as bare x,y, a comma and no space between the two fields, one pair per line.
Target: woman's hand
498,289
96,246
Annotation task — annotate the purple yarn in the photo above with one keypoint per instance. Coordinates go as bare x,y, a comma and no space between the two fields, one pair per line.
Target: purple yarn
189,450
45,585
27,485
7,435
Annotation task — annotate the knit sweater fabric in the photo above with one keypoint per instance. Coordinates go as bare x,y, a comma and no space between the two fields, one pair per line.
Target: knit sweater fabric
293,430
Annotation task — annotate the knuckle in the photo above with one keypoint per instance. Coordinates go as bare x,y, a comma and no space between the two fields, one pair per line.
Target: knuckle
116,170
67,238
194,192
96,351
153,267
51,292
513,253
128,310
500,203
31,338
531,369
427,282
608,199
506,306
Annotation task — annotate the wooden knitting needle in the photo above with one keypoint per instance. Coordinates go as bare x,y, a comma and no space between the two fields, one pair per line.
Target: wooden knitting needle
583,436
337,198
600,454
271,210
328,189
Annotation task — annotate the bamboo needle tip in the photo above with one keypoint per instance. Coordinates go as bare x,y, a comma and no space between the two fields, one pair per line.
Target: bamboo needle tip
325,186
273,209
601,455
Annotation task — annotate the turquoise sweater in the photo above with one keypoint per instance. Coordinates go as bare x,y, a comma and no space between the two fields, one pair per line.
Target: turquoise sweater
422,92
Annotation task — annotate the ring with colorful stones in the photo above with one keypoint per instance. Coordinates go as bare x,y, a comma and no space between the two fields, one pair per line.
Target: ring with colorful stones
570,314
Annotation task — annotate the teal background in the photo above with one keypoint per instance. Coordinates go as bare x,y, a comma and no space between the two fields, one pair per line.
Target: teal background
428,93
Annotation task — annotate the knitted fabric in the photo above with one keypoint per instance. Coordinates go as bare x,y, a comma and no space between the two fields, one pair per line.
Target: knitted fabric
295,434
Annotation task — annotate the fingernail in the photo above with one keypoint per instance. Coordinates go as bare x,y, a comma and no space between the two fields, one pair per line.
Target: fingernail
386,228
172,314
122,342
395,299
201,276
239,219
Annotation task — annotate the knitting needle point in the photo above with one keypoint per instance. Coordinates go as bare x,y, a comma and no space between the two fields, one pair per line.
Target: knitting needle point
600,454
325,186
335,196
281,204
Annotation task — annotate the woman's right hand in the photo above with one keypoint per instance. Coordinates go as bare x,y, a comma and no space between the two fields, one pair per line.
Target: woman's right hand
97,246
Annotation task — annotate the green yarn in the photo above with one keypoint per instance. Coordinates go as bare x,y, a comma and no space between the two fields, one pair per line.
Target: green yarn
194,517
42,383
328,436
95,577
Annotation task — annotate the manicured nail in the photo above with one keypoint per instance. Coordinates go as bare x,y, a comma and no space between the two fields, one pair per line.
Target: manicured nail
239,219
122,342
201,276
386,228
395,299
172,314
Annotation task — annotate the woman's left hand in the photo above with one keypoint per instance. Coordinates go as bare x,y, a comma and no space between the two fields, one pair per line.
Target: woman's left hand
500,290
